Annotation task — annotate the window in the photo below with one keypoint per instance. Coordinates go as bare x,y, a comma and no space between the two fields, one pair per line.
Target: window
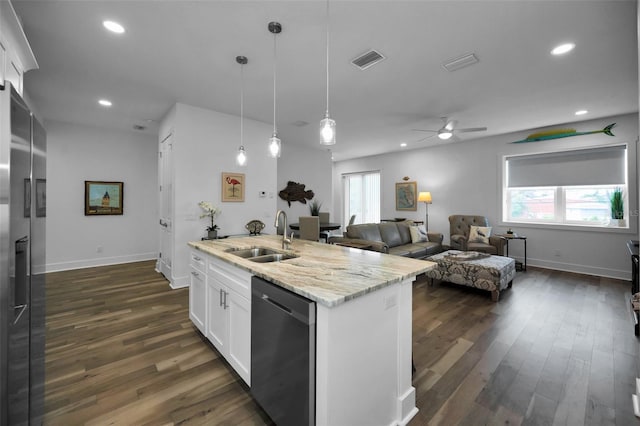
362,197
571,187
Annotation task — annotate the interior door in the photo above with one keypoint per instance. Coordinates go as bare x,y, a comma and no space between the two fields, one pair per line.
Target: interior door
165,174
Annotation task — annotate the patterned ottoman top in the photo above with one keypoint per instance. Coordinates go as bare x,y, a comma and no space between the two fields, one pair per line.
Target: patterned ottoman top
472,258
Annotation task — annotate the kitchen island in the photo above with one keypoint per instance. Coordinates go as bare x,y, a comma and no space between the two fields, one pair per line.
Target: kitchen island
363,321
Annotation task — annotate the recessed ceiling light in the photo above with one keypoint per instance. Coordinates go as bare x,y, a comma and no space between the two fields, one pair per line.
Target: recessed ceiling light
563,48
105,102
113,27
582,112
403,144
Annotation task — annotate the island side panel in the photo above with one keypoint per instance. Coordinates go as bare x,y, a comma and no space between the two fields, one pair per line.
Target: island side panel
363,359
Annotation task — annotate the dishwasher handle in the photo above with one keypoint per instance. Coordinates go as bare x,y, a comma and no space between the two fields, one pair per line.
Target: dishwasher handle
276,304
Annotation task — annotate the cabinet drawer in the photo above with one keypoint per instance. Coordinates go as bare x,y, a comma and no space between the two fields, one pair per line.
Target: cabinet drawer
199,262
233,277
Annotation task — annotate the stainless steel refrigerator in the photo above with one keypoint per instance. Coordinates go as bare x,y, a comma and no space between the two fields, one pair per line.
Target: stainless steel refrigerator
22,261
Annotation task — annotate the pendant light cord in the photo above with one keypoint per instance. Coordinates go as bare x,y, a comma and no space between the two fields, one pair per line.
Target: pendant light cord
327,39
242,105
274,82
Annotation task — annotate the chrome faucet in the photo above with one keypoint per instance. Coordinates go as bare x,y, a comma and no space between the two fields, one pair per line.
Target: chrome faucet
285,241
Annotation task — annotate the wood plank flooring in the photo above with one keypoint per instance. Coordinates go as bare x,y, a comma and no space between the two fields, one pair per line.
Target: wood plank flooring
558,349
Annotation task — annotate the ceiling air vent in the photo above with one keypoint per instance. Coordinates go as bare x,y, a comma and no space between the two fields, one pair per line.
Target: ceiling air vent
460,62
367,59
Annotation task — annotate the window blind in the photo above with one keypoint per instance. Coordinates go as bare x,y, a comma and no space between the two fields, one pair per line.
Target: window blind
594,166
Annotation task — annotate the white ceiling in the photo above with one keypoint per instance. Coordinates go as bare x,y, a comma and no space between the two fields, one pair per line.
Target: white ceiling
184,51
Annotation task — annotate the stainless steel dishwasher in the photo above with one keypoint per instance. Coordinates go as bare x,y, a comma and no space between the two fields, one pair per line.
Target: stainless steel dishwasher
283,340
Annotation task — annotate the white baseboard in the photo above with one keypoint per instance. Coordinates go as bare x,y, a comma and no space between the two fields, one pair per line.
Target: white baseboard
102,261
582,269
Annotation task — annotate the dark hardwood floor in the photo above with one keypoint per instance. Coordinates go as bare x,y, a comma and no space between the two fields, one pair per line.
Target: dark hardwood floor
558,349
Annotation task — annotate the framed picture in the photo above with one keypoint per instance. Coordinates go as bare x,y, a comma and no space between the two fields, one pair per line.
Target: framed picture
27,197
102,198
232,186
41,197
406,196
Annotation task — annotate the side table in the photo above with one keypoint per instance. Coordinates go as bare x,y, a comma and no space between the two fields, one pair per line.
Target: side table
520,266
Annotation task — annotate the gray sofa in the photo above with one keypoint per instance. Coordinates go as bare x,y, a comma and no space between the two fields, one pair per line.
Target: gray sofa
390,237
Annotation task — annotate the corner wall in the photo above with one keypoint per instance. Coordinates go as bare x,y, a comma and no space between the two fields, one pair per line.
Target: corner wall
78,153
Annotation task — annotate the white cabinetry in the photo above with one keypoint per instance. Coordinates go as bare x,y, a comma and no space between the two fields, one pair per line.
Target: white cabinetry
229,322
220,308
197,292
16,56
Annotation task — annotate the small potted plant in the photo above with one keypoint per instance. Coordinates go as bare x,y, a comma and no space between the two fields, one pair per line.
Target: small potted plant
617,207
314,207
211,212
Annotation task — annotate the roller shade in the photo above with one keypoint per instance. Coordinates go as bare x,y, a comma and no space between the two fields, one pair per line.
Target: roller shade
594,166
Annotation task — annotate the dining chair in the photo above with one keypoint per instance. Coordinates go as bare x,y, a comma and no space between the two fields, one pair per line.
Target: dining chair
352,220
324,218
309,228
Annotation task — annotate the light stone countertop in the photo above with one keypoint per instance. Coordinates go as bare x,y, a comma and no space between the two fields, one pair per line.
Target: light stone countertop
327,274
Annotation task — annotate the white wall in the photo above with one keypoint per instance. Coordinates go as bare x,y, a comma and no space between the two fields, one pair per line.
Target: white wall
78,153
205,143
466,178
311,167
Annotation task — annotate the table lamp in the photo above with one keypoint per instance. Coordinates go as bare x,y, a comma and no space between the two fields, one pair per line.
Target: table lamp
425,197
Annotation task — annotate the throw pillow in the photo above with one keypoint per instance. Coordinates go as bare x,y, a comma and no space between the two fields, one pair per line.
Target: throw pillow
479,234
416,235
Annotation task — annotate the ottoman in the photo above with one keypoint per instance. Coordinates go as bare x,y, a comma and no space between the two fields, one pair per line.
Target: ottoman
473,269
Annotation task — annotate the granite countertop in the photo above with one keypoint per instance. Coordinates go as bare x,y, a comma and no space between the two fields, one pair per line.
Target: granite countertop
327,274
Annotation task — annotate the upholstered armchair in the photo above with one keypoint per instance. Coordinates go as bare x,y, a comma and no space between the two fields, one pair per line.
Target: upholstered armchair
460,228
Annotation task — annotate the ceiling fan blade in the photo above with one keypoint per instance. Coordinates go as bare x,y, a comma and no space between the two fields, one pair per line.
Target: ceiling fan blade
449,125
425,138
424,130
470,129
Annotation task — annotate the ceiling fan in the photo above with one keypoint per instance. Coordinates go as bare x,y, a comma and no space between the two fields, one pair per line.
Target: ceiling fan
449,129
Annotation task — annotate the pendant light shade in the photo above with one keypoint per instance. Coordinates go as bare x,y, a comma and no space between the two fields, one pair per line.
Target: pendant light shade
327,125
241,156
328,130
275,145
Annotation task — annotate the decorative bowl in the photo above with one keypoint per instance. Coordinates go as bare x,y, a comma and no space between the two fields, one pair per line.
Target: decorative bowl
255,227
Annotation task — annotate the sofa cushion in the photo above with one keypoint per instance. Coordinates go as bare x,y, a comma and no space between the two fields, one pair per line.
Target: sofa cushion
479,234
482,247
416,235
403,250
404,230
390,234
364,231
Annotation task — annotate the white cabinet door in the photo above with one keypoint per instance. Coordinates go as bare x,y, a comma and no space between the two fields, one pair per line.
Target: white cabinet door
217,320
239,345
198,300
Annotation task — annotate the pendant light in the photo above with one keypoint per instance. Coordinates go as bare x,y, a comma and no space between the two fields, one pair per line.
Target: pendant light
327,125
275,146
241,157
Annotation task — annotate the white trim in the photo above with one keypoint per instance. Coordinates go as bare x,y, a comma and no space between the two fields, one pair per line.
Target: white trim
103,261
580,269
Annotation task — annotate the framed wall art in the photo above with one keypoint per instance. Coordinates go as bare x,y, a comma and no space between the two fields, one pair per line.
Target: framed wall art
232,187
406,196
103,198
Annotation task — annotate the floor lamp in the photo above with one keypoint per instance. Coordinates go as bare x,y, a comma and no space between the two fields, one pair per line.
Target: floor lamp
425,197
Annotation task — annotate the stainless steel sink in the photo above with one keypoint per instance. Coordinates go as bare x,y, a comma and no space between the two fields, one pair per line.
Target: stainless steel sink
252,252
275,257
261,254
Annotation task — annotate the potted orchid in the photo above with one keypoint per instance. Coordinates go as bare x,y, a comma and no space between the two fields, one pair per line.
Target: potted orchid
211,212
